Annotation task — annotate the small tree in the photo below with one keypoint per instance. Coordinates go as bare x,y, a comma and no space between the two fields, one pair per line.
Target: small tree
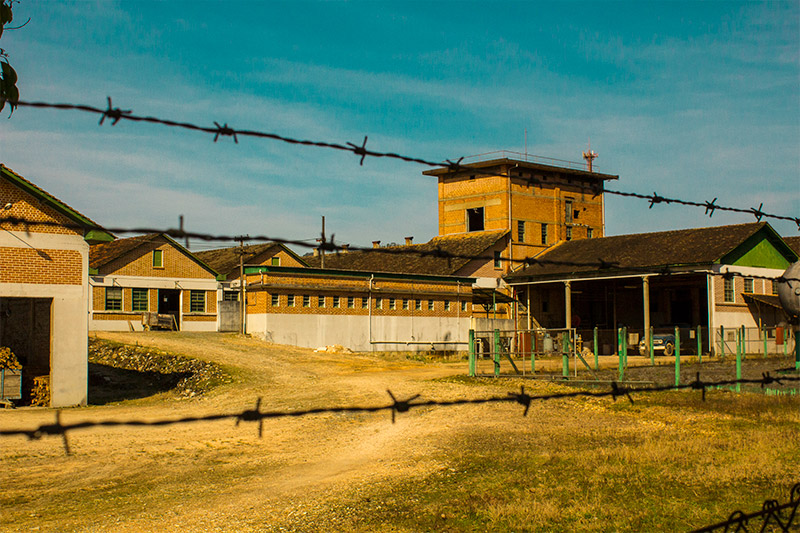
8,76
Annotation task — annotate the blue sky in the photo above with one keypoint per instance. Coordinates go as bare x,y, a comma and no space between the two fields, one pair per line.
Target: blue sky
691,100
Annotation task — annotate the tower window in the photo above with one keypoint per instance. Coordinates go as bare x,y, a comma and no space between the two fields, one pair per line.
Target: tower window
568,211
475,219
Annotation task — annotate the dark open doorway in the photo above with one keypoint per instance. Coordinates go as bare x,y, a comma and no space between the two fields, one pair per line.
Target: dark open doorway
169,303
25,328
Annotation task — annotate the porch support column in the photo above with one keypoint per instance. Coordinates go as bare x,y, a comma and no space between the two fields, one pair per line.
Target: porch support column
568,304
646,302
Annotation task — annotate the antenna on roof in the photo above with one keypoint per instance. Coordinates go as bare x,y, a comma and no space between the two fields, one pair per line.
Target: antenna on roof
589,156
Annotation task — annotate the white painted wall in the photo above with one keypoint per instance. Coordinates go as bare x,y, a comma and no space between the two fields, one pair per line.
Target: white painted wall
353,331
68,323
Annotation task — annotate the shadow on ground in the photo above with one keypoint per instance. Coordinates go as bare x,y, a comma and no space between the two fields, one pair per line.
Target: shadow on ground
108,384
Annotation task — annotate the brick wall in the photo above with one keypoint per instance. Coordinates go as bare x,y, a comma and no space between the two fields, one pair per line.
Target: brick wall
42,266
534,204
27,207
139,262
259,300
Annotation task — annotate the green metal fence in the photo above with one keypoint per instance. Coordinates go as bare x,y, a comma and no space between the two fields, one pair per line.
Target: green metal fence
773,341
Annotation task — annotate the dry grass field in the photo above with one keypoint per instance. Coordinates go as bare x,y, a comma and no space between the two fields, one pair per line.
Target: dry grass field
668,462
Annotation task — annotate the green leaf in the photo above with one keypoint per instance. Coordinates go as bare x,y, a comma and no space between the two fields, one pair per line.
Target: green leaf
9,74
5,13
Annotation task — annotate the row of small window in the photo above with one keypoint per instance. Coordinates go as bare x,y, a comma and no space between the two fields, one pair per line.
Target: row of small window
139,300
730,296
352,302
568,236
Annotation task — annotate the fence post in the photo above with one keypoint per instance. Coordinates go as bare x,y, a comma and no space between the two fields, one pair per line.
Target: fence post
472,353
738,358
699,343
764,336
619,355
596,360
744,342
650,346
533,351
796,335
677,356
625,345
722,342
496,353
565,354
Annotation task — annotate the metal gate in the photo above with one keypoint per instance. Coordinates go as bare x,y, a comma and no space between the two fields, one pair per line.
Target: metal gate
230,315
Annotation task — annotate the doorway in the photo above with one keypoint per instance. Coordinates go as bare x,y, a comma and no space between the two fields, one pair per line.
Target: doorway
169,303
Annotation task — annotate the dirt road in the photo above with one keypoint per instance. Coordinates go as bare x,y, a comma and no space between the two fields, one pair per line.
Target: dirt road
180,475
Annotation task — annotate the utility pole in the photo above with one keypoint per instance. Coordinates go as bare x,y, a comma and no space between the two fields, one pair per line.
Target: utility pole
322,247
242,293
180,224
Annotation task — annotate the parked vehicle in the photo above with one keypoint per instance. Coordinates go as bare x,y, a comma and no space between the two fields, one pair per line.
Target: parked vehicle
662,342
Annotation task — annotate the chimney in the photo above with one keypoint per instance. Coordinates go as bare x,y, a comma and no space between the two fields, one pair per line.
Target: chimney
376,244
316,252
408,240
345,248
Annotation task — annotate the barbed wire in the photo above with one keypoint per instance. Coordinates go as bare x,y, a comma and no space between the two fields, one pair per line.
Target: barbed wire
771,516
395,407
325,244
115,114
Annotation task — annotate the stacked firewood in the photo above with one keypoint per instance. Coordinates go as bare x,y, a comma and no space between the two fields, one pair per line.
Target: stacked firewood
40,394
8,361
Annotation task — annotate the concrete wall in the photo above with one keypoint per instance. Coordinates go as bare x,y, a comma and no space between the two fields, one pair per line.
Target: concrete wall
69,327
353,331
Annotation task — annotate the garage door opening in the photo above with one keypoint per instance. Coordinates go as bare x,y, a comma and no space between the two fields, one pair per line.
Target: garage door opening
25,328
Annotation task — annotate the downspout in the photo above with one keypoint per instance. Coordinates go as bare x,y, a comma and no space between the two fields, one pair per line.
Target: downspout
510,222
369,326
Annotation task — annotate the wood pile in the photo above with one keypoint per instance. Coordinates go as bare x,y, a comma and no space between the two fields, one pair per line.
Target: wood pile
8,361
40,394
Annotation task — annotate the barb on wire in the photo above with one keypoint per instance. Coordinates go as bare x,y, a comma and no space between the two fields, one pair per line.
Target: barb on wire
396,407
253,415
710,207
114,113
360,150
401,406
771,517
522,399
225,131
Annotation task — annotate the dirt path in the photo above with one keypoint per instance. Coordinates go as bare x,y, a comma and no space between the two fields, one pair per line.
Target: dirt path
298,461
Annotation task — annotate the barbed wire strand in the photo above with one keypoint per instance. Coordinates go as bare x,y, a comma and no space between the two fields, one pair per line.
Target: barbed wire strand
329,245
115,114
617,390
770,513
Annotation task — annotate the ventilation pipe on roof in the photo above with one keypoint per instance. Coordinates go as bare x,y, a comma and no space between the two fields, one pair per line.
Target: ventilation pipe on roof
376,244
408,240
